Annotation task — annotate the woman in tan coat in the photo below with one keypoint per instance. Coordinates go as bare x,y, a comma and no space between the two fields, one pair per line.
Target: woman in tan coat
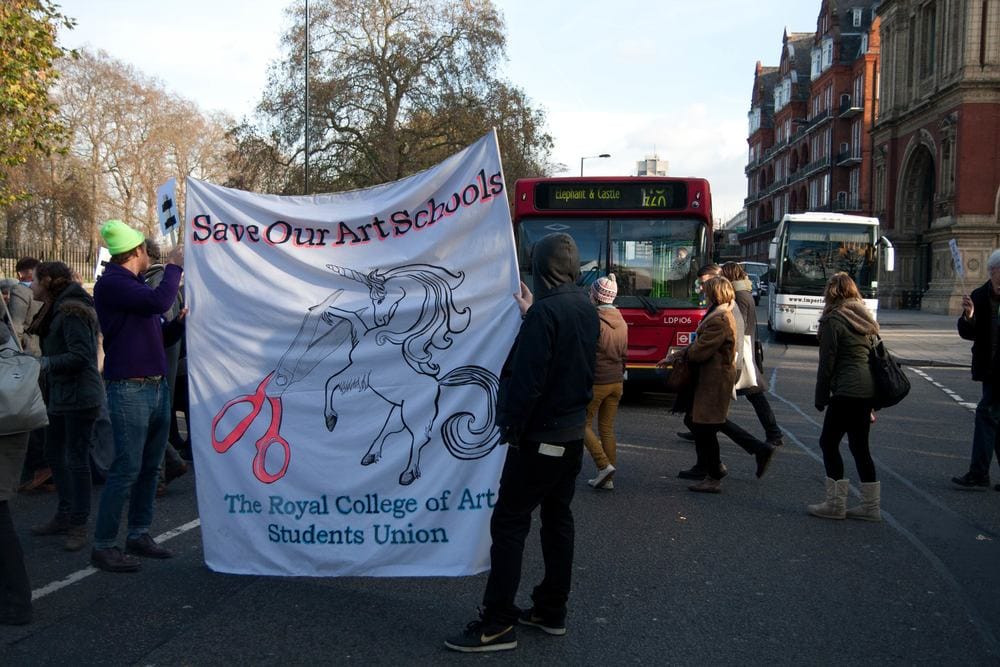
712,359
609,379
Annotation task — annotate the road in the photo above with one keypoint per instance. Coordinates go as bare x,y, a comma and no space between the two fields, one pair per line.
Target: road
663,576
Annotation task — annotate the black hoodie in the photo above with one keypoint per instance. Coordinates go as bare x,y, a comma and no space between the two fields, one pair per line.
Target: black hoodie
546,382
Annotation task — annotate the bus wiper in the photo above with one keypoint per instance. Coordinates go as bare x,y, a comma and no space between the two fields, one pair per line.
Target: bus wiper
650,307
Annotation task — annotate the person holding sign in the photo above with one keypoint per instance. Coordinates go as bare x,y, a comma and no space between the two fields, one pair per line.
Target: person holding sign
135,366
545,388
979,323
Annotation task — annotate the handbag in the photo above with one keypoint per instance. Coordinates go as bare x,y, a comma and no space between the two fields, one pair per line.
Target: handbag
679,375
22,407
891,383
746,377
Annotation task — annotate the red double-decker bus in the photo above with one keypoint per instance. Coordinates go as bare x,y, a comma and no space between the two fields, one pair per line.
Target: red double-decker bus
652,233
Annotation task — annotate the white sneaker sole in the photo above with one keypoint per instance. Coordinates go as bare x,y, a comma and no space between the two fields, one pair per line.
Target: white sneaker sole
555,632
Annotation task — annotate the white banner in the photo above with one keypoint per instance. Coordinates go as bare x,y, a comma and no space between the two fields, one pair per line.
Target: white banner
343,354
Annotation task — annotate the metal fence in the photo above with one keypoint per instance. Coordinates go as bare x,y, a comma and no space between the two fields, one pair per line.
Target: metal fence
78,258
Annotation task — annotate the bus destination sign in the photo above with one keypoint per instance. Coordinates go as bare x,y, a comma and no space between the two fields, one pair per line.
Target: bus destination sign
611,196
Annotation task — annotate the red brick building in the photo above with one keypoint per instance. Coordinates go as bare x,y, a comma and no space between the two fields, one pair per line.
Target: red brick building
936,154
810,122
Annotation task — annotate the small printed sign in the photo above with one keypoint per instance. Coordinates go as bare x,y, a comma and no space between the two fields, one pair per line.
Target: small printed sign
166,206
103,257
686,337
956,256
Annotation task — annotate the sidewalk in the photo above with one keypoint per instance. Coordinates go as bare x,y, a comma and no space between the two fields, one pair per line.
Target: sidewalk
917,338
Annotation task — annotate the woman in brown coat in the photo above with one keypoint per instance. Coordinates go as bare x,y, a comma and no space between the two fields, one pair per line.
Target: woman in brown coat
712,357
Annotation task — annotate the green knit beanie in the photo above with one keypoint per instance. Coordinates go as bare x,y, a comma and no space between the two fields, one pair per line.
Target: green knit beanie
120,237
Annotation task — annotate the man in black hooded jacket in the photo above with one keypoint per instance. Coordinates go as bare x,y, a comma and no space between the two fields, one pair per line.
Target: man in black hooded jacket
545,387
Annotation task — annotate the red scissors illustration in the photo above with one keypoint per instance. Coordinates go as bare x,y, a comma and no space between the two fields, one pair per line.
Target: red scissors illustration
271,436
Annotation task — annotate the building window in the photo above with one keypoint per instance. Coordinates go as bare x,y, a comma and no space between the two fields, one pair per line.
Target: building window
817,67
855,183
827,52
857,12
859,90
813,194
826,190
828,98
754,119
928,39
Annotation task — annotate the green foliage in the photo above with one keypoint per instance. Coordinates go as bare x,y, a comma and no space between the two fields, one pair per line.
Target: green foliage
28,121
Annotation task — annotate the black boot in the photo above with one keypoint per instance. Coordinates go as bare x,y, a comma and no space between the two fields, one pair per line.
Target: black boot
15,589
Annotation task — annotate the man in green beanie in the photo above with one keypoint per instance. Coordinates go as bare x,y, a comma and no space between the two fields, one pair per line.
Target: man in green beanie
135,366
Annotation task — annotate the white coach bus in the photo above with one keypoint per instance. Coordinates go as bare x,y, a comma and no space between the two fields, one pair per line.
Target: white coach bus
806,250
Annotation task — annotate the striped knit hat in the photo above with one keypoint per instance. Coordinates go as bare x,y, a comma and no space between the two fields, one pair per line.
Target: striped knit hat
604,290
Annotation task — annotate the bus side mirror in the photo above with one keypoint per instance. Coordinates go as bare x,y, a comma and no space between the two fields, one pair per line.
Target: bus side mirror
890,254
772,251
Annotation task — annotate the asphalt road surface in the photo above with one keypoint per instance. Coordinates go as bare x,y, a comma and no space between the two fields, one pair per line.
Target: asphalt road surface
662,575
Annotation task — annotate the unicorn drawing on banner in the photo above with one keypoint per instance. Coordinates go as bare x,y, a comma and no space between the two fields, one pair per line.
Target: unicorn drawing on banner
413,309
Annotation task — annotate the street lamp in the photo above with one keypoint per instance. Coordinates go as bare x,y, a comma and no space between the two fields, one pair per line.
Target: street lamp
588,157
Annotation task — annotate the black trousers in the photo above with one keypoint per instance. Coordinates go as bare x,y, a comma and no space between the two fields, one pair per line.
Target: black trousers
530,480
765,415
851,416
731,430
15,590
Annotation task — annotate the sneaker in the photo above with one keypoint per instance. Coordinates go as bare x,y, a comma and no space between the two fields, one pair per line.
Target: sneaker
610,486
482,636
970,481
548,625
685,435
113,560
603,477
775,442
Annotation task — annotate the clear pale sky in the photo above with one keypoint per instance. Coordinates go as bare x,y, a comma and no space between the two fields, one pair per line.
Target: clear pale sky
627,78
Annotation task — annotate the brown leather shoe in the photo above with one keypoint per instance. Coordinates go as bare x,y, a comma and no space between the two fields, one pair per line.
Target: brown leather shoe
76,538
173,471
57,525
145,546
113,560
40,477
707,485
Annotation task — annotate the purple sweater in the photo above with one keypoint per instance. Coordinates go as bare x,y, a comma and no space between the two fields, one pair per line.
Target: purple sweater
130,315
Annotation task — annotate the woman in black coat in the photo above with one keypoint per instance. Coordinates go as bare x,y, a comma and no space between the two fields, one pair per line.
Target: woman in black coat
67,327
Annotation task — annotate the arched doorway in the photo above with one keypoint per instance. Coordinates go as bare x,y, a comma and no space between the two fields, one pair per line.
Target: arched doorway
916,194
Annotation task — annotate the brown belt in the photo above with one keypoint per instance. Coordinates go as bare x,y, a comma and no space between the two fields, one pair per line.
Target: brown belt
146,378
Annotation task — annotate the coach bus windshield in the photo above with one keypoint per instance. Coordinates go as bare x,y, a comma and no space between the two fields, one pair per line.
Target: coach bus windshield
816,251
654,260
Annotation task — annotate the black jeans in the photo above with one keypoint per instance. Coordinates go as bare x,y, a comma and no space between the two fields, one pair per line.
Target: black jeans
531,479
68,443
15,589
853,417
765,415
731,430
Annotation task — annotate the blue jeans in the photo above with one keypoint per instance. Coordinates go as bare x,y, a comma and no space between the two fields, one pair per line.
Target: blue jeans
140,418
984,436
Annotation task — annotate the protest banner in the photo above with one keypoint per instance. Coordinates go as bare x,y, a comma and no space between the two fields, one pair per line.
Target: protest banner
343,357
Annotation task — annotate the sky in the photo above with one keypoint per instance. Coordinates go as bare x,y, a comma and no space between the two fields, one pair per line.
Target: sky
630,78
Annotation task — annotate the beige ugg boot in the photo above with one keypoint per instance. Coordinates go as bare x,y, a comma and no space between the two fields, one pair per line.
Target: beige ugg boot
836,500
871,496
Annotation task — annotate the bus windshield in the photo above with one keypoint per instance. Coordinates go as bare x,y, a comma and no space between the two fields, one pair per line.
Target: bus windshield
654,260
816,251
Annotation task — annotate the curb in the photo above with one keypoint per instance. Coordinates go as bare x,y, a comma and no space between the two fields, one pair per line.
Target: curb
928,362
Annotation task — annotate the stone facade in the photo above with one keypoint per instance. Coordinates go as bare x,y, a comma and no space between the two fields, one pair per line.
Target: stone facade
810,146
936,156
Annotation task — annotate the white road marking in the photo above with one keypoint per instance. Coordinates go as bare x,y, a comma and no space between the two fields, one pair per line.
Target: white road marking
79,575
954,396
974,616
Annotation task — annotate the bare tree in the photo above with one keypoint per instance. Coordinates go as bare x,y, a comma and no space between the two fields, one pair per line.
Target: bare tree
394,86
